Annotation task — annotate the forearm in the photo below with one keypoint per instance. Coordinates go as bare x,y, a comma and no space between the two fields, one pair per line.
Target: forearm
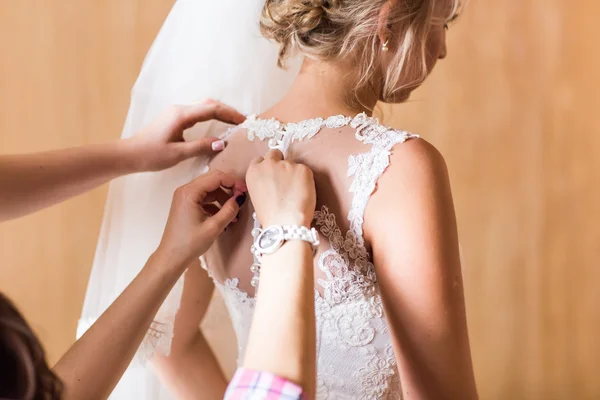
192,371
282,337
96,362
31,182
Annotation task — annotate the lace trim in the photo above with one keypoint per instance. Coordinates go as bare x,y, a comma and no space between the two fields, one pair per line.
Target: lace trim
157,339
367,168
370,131
352,283
241,308
350,274
233,286
380,378
277,132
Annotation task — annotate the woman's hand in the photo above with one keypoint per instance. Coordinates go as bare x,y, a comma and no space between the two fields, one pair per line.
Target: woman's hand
160,145
30,182
282,192
193,225
195,221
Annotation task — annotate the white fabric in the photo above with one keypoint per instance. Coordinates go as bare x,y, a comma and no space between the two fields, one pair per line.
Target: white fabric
205,49
281,136
355,357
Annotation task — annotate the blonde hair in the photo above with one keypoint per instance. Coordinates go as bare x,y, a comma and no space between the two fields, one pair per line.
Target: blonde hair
330,30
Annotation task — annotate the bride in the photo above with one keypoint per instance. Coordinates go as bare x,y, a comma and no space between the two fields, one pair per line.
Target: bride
391,319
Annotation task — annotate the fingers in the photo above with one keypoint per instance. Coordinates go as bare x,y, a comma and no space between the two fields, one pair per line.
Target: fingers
204,146
211,209
275,155
208,110
226,214
272,155
213,180
219,195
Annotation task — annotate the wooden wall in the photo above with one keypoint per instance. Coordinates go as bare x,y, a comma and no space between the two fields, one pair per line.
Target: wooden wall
513,108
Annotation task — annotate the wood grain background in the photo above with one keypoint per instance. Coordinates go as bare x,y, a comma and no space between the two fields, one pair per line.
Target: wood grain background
514,109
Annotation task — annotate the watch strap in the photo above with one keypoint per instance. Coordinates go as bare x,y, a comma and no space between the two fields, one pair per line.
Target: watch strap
295,232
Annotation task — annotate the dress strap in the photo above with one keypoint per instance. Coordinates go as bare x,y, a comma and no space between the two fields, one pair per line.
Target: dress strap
367,168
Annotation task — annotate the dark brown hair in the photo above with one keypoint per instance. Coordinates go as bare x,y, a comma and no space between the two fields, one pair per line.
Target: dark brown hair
24,371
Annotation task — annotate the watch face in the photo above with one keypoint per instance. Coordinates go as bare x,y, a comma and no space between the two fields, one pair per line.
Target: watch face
270,239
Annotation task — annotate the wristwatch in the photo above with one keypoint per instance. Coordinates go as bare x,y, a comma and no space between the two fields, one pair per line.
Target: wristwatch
269,240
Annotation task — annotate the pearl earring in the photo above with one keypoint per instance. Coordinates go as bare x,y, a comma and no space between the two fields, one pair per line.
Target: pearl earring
384,47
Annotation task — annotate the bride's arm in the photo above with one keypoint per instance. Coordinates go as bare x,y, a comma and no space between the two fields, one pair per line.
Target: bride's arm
412,227
191,371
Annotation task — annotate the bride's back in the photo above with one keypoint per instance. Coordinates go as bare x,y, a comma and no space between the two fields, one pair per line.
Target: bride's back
347,155
326,154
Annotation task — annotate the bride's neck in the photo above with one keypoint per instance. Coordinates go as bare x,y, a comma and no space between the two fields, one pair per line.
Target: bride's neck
321,90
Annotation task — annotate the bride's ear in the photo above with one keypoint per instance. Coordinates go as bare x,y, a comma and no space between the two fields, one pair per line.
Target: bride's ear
384,25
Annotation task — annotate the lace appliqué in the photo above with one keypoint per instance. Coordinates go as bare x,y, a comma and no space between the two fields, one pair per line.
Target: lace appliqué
350,315
276,132
366,168
240,307
157,339
352,310
380,375
350,275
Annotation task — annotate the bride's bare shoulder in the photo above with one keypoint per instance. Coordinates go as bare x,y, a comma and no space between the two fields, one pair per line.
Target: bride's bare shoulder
415,186
417,168
418,154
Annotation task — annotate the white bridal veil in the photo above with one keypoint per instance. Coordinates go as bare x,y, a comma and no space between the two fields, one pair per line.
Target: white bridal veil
205,49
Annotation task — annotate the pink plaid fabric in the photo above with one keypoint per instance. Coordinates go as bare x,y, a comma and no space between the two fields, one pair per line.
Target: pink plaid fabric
255,385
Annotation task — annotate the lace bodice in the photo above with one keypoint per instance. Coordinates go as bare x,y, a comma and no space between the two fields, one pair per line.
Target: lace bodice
355,358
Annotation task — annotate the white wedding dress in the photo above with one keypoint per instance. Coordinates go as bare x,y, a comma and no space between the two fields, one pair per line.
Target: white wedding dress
355,355
196,56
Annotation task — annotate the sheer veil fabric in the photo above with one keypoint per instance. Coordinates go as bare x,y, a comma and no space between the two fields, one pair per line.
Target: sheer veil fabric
205,49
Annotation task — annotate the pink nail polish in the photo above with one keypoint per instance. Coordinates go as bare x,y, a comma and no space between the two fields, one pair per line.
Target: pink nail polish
219,145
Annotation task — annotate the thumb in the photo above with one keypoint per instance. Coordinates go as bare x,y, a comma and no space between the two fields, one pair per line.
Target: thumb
228,212
201,147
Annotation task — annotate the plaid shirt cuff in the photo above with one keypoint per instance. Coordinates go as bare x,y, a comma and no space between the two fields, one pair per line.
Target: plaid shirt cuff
255,385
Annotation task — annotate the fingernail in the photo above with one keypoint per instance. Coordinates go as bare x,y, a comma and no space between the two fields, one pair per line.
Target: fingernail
219,145
241,199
